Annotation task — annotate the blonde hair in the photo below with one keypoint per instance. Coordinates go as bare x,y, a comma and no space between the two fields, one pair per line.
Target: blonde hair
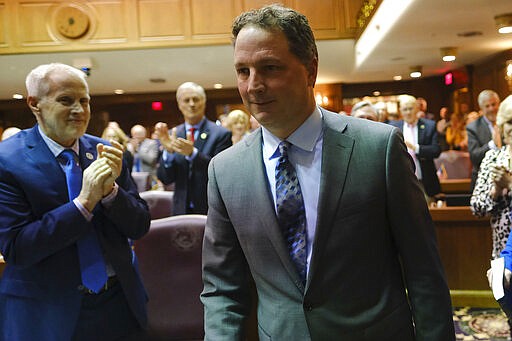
504,112
238,115
119,134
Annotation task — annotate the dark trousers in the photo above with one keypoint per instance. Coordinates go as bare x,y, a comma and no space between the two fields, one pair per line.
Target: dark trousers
107,317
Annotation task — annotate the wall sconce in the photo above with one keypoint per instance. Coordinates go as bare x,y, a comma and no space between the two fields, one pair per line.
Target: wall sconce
504,23
321,100
449,54
415,71
508,74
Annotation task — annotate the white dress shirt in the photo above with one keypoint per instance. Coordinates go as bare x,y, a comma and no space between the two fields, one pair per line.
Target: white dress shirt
305,155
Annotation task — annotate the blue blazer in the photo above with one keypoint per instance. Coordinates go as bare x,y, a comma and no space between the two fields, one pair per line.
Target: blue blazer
39,228
429,150
191,179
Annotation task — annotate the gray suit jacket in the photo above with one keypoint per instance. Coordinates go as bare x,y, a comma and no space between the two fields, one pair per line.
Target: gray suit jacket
372,218
479,136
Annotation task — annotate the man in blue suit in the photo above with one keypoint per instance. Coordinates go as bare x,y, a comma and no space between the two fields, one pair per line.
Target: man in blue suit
420,136
189,149
42,291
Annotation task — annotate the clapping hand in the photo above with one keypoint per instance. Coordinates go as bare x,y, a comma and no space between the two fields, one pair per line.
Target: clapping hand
502,179
98,179
172,143
114,157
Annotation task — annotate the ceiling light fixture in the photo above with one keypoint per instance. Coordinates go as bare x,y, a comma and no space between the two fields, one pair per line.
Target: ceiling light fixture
504,23
218,86
416,71
449,54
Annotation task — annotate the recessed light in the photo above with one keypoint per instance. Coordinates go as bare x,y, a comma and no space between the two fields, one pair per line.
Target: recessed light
17,96
218,86
504,23
119,91
397,78
416,71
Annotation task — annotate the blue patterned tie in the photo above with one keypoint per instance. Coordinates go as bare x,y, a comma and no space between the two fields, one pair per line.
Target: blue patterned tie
92,264
290,210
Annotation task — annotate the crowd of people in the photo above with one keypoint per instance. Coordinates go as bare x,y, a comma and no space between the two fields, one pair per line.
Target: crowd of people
265,180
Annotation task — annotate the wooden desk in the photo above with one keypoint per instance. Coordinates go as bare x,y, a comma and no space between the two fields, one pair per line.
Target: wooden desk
465,245
455,186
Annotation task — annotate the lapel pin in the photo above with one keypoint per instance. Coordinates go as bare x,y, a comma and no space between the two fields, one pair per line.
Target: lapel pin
203,136
89,156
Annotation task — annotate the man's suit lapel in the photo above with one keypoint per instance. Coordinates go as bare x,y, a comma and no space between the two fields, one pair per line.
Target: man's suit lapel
484,130
261,194
43,159
88,152
421,132
203,134
336,153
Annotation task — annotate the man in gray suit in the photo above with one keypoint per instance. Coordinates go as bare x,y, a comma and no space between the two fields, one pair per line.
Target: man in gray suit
145,150
482,134
363,263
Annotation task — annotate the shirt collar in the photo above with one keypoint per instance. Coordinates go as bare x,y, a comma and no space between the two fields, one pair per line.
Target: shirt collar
304,137
54,147
411,125
196,126
487,120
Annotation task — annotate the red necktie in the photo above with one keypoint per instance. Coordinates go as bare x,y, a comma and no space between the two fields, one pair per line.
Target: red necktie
192,133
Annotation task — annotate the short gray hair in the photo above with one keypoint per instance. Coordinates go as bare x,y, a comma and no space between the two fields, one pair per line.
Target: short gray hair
37,81
407,99
190,85
486,94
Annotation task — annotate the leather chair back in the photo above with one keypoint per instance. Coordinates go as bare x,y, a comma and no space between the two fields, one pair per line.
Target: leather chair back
160,203
169,259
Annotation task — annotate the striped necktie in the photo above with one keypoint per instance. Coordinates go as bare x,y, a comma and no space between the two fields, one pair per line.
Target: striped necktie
290,210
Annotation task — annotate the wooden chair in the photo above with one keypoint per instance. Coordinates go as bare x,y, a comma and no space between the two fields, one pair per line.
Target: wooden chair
160,203
169,259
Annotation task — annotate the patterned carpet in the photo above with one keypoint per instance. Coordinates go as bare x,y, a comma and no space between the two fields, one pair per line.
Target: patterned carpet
488,324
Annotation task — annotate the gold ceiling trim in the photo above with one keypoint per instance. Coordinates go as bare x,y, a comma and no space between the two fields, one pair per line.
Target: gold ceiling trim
366,12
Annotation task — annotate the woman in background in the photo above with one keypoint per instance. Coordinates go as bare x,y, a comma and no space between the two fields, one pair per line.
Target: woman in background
238,123
114,132
492,194
499,188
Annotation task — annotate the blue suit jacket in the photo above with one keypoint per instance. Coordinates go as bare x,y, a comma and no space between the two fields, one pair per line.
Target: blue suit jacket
429,150
192,180
39,228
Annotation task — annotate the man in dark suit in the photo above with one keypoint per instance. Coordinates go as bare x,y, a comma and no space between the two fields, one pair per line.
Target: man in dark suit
420,136
43,292
323,211
188,150
482,135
